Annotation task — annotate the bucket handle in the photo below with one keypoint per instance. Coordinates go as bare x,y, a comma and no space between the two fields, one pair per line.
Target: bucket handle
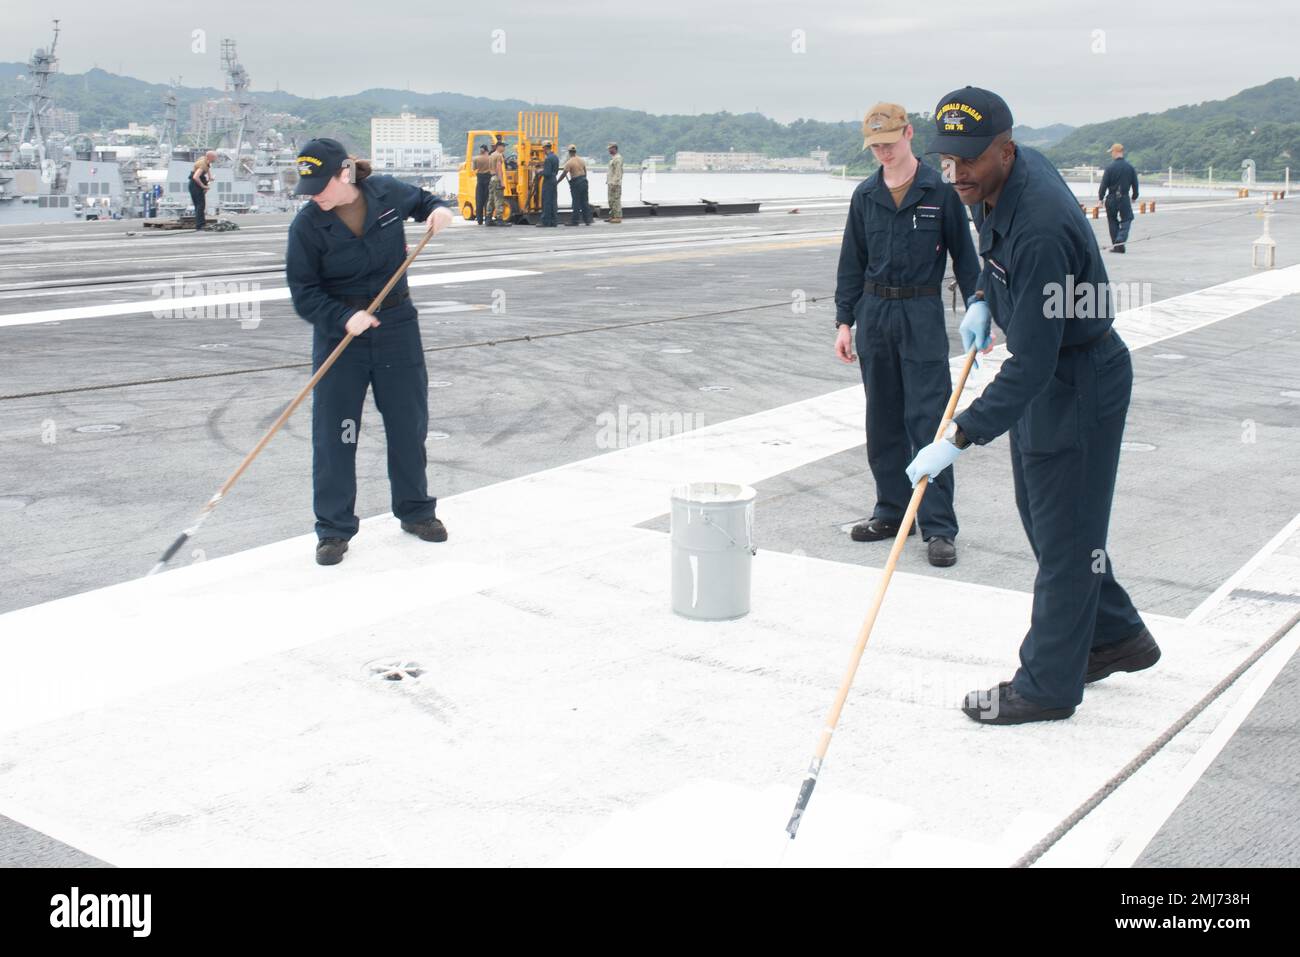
752,549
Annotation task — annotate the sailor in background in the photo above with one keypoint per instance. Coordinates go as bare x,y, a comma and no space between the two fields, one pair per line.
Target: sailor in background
614,185
903,223
200,183
1062,396
498,214
1117,183
343,247
575,169
482,183
550,185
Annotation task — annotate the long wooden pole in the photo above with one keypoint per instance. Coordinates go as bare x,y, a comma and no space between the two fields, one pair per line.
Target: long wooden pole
864,633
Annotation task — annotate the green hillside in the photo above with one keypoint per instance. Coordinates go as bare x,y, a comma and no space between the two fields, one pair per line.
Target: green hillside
106,101
1261,123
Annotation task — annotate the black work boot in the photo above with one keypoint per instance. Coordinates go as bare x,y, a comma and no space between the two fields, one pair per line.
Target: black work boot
429,529
1004,705
877,529
329,551
942,552
1131,654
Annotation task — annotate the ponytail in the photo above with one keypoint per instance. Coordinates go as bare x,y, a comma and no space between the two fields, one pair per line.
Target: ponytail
360,169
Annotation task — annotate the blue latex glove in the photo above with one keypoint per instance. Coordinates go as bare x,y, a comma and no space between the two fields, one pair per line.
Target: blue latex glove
977,327
932,460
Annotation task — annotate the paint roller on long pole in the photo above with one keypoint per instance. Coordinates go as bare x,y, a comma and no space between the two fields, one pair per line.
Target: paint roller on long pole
833,719
436,224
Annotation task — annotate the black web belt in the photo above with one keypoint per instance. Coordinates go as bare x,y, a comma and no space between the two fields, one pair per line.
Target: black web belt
899,292
360,302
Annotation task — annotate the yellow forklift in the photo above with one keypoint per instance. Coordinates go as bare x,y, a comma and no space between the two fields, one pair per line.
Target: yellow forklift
524,156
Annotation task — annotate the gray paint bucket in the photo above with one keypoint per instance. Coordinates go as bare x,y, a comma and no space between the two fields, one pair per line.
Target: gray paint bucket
713,549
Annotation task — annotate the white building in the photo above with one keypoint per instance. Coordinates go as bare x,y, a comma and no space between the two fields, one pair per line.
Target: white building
58,120
732,160
134,129
690,160
816,160
404,142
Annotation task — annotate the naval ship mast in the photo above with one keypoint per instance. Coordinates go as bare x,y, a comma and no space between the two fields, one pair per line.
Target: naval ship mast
245,122
167,135
37,101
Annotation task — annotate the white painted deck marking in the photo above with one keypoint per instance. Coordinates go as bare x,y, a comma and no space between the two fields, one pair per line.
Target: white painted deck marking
190,258
256,295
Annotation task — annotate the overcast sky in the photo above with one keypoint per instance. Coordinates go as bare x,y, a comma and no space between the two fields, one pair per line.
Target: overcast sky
1074,63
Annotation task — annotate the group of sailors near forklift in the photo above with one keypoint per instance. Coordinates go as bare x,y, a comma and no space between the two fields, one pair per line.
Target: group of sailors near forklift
492,209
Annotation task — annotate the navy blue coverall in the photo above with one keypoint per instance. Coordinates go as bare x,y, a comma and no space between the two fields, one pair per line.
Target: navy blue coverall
902,344
1117,183
332,274
550,189
1063,395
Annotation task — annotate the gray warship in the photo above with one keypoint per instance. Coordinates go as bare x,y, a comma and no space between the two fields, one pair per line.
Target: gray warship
50,176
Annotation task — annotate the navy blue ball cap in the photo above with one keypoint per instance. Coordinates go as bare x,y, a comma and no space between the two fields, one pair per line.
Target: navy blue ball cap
966,121
318,162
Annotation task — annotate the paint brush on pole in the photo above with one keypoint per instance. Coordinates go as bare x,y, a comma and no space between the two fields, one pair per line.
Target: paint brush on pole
436,224
833,719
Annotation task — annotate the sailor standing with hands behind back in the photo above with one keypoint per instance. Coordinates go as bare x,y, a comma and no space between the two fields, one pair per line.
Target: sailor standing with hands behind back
344,246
